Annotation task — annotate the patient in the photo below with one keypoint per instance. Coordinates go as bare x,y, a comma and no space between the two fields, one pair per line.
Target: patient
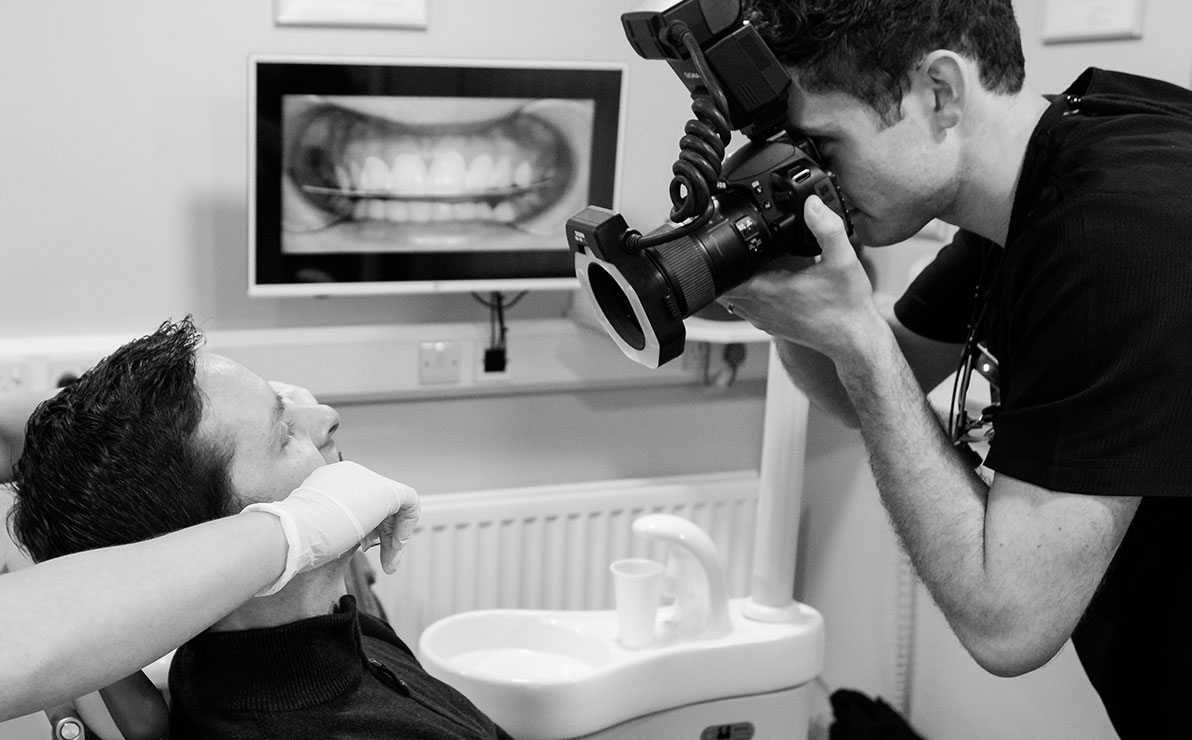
162,435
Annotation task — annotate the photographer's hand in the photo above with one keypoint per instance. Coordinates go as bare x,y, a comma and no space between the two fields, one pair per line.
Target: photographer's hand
826,305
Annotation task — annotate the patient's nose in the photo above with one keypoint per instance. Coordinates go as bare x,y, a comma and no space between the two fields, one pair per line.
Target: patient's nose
319,422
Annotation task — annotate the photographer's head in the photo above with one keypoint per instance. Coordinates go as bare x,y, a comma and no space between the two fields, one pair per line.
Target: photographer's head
906,101
868,49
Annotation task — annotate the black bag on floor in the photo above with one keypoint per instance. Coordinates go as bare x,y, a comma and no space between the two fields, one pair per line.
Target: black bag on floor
857,717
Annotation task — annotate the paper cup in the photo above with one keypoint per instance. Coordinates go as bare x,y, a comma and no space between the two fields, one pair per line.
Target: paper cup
637,585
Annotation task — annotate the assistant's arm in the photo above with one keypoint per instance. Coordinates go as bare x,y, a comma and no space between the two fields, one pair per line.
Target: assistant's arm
1012,565
76,623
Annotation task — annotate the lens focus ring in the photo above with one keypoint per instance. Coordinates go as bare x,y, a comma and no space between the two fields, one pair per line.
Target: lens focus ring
686,265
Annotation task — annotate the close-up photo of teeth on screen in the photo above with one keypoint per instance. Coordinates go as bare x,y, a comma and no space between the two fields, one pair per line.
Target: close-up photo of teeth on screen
385,174
376,175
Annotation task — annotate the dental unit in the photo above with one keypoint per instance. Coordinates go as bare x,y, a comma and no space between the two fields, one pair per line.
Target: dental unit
715,667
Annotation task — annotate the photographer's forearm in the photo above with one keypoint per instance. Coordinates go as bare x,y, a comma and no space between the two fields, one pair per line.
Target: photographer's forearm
937,504
815,374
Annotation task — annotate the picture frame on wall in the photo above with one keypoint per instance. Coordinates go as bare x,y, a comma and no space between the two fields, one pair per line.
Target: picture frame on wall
1066,21
352,13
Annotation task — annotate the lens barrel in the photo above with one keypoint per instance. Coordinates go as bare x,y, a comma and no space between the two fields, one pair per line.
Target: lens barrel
643,296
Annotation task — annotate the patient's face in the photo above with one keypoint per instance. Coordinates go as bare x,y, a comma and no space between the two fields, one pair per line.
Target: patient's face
275,444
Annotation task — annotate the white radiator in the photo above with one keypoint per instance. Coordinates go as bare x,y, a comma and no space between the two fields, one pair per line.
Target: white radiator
550,547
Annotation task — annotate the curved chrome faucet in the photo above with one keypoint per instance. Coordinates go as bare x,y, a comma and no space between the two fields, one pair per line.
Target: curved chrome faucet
700,586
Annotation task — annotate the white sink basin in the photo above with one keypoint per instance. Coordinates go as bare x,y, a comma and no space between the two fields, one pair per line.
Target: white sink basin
562,674
519,647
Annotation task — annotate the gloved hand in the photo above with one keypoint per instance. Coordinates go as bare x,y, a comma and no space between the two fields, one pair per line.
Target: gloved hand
338,507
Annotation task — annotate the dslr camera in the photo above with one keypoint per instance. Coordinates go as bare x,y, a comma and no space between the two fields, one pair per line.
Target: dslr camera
730,216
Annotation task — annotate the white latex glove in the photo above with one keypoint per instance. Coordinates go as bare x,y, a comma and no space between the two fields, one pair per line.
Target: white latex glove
338,507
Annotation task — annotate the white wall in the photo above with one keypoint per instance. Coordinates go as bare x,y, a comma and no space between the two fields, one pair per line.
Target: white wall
1162,52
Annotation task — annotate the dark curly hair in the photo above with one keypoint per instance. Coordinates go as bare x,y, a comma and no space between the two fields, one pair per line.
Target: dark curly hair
868,48
114,458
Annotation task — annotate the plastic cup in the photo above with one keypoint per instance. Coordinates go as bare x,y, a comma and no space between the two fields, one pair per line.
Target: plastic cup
637,586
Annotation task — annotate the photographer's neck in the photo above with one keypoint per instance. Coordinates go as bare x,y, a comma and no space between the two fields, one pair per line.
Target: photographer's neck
999,135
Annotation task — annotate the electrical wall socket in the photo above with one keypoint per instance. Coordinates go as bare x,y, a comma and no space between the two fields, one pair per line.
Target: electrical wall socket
484,374
439,363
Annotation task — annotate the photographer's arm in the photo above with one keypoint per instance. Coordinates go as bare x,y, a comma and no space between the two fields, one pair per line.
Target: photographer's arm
1011,565
816,375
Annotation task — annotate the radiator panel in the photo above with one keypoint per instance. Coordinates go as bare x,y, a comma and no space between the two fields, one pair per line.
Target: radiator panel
549,547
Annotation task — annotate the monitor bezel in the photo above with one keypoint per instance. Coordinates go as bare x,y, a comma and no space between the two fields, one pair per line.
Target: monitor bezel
273,76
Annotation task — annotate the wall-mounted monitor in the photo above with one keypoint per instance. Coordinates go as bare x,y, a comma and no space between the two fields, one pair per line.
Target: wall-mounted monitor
391,175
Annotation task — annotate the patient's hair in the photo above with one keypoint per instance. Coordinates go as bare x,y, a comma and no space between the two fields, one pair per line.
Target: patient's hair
868,48
114,457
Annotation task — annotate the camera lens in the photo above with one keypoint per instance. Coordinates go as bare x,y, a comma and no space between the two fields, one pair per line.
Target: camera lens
686,265
645,286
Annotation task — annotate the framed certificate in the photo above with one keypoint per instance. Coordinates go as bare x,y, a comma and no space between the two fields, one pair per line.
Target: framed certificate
387,13
1091,20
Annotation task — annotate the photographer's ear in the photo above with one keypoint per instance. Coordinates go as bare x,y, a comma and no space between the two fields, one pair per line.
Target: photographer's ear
945,79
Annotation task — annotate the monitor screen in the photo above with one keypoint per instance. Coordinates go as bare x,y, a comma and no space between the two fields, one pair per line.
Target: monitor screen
386,175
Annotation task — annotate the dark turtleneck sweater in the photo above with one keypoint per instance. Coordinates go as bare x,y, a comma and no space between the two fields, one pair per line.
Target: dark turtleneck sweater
343,675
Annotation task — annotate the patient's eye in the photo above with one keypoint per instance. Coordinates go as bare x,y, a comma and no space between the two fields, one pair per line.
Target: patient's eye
285,440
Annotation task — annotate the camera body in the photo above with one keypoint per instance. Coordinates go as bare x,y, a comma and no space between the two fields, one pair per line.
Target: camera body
755,213
643,297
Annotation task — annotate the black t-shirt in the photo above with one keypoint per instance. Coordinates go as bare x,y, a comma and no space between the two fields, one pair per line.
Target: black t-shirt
1089,313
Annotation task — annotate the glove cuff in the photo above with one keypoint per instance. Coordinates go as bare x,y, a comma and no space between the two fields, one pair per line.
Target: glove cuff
294,547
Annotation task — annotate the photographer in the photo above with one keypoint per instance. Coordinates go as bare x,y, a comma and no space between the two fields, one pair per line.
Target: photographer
1069,287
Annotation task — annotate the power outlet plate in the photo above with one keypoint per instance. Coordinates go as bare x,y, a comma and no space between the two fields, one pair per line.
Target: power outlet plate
439,363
